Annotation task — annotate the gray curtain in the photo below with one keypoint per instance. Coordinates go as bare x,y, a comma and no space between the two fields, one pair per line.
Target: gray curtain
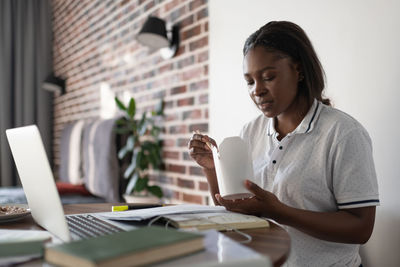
25,61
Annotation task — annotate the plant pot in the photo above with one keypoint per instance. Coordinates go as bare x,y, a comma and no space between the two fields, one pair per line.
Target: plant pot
142,199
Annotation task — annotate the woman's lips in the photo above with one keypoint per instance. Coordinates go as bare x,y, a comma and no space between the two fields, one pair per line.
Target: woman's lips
265,105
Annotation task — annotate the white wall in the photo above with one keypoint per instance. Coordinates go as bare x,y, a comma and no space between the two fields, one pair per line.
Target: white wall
358,43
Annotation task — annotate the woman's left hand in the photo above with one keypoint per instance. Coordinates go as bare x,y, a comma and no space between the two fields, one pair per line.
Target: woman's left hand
263,203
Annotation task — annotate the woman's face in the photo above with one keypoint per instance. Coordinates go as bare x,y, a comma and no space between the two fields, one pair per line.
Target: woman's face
272,80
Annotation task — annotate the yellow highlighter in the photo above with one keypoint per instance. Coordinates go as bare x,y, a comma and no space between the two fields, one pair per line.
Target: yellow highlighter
135,207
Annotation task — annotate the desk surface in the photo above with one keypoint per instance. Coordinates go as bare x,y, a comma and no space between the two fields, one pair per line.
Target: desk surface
273,241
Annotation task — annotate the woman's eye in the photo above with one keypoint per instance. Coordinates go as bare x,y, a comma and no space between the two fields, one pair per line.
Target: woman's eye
268,79
249,83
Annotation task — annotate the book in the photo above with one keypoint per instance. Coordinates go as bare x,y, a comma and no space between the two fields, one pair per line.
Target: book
141,246
14,252
218,221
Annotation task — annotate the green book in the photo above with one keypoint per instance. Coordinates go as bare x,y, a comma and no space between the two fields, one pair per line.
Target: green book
16,249
137,247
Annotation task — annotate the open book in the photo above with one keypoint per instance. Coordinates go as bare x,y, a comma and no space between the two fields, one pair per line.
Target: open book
192,216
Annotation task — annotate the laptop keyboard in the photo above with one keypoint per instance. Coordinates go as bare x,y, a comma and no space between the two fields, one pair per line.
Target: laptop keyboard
84,226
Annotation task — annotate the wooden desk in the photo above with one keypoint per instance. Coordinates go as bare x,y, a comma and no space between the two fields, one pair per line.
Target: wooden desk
273,241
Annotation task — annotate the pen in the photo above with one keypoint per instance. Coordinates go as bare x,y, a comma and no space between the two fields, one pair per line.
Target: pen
134,207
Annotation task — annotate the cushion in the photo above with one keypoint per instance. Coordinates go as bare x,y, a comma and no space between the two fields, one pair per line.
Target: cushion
68,189
70,170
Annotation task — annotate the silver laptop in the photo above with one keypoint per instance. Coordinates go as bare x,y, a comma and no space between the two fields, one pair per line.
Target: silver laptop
41,192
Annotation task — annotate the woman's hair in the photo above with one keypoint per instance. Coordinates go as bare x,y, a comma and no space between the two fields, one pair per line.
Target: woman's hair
289,39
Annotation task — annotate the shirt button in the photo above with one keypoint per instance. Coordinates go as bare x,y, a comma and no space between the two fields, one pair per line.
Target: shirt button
280,147
274,161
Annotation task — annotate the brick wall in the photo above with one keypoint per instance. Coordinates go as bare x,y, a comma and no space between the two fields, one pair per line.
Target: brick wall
95,47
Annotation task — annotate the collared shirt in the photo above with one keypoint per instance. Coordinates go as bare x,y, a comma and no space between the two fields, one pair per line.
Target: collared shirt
324,165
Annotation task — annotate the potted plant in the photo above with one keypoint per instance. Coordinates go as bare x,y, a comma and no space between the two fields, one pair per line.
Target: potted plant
143,147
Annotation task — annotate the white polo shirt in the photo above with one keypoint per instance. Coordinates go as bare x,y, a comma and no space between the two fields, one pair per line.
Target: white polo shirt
324,165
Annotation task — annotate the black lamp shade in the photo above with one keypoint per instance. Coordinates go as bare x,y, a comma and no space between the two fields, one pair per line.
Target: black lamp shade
154,33
54,84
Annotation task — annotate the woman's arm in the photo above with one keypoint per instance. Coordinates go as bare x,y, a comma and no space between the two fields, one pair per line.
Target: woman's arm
344,226
201,152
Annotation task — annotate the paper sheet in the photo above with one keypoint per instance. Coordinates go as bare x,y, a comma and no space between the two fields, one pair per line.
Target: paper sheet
143,214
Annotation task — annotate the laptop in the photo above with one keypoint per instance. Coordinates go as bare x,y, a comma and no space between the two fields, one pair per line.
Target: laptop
41,193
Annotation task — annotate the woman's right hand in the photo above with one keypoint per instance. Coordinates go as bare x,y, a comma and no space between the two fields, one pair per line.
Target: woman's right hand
200,151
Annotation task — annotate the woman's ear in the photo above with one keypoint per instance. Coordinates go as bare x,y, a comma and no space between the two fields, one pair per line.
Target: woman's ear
300,73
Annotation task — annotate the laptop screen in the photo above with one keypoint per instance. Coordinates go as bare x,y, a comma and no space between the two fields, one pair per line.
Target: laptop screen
37,179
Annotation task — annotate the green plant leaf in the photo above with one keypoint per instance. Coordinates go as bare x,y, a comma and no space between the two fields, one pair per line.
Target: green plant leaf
129,171
122,152
121,121
120,105
132,108
122,130
155,190
160,107
130,143
131,183
155,131
141,184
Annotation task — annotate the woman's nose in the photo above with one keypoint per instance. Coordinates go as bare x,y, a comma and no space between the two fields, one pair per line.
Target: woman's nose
258,88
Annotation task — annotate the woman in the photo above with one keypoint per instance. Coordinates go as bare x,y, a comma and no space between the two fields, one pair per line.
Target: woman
313,164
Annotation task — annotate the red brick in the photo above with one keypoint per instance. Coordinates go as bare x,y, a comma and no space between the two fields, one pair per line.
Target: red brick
203,186
185,62
178,129
196,171
171,5
165,68
196,3
186,156
199,85
171,154
182,142
180,51
185,102
176,168
203,99
191,32
178,195
186,21
185,183
148,6
168,142
203,56
206,70
173,17
178,90
192,198
202,127
198,43
202,13
192,74
192,114
171,117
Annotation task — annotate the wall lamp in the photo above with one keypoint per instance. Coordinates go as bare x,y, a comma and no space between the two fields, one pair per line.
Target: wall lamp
54,84
155,36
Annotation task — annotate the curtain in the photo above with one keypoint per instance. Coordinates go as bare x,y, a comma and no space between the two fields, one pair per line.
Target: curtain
25,61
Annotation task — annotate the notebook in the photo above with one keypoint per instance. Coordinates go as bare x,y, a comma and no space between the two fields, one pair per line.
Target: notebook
219,221
123,249
41,193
